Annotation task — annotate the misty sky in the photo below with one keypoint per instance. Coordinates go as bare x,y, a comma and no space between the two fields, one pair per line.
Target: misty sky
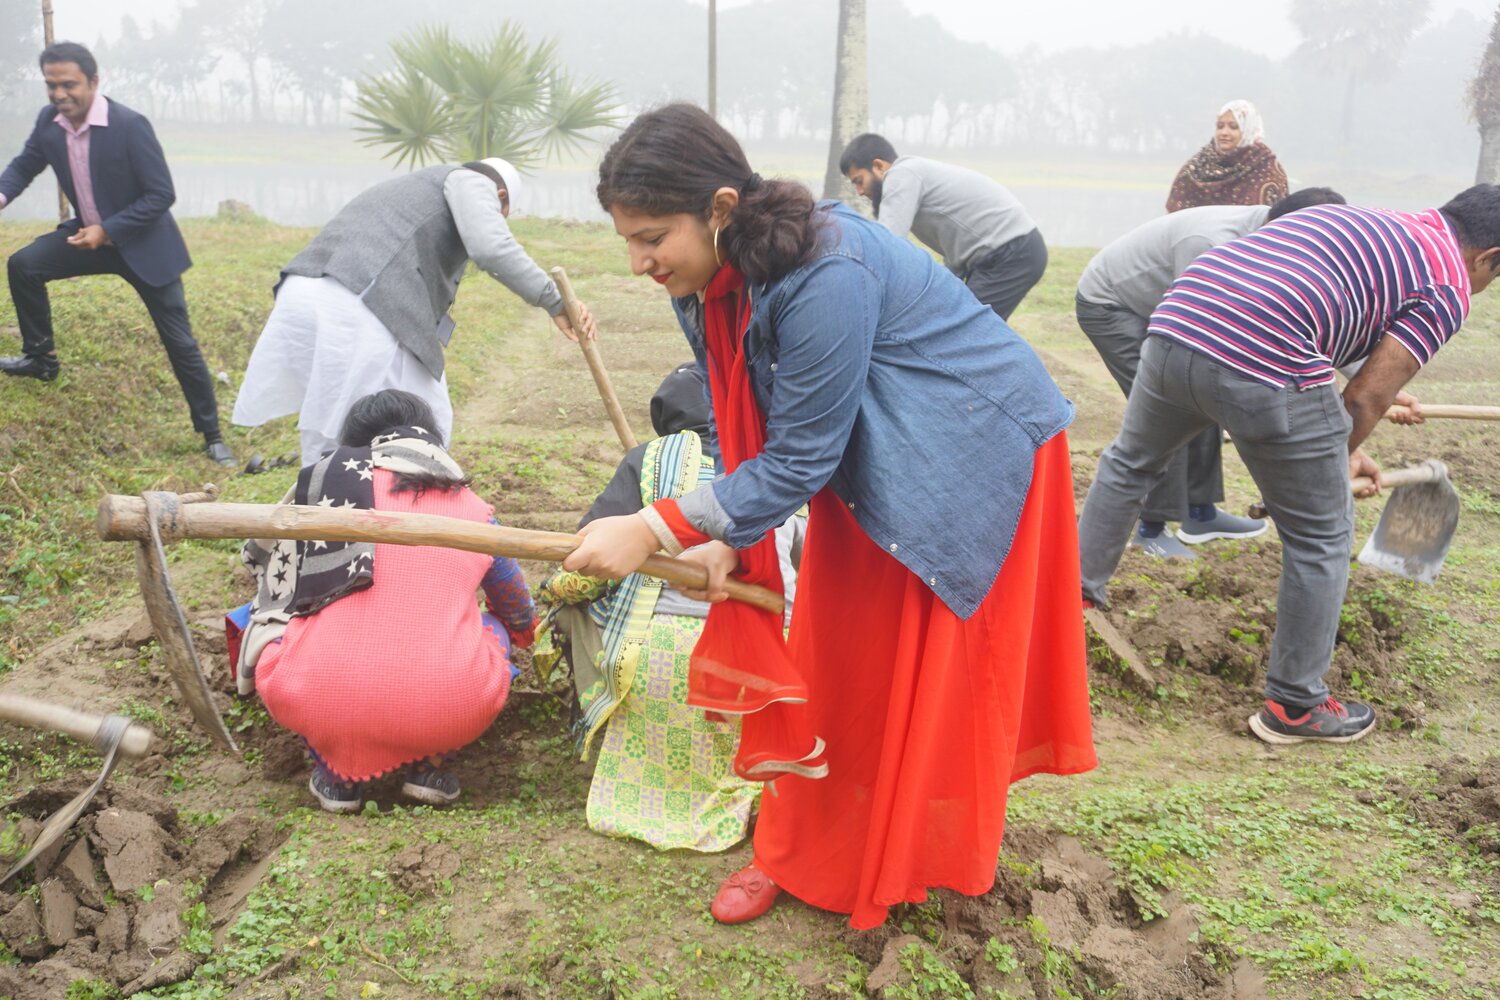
1007,25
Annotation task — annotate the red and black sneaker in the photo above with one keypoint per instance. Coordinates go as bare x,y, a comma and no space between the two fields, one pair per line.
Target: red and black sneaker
1330,722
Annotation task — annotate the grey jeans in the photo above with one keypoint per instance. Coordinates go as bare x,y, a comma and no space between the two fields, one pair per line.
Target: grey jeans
1001,278
1194,475
1296,446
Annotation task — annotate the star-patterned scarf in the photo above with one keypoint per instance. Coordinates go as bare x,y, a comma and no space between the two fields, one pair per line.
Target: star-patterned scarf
326,571
345,478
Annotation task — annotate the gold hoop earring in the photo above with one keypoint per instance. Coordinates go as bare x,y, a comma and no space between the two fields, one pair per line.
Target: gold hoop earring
717,261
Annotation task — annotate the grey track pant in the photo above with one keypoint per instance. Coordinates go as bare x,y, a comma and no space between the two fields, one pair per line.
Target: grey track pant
1295,444
1194,475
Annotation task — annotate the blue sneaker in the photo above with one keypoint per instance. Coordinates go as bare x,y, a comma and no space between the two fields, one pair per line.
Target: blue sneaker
1220,525
333,793
1162,546
433,786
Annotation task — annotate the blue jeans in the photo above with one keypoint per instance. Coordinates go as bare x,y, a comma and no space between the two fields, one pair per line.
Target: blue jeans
1296,446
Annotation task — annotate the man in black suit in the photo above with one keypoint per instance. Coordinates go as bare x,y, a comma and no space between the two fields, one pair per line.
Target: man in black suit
111,167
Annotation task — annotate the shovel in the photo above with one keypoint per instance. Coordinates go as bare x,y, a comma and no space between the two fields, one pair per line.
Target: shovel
111,735
1417,524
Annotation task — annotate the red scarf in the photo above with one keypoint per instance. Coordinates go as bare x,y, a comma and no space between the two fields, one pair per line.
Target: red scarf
740,665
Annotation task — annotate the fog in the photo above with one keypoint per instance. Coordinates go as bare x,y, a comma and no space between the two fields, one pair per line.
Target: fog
1084,108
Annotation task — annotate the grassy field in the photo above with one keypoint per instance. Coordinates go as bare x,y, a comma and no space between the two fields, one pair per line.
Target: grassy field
1195,862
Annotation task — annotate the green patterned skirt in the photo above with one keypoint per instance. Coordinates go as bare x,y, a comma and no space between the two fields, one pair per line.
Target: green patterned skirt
665,773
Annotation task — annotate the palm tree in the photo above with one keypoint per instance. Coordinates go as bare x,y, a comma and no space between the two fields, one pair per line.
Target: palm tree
1359,40
851,93
447,101
1484,103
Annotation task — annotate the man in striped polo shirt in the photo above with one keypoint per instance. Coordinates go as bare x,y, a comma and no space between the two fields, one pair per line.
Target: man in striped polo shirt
1248,338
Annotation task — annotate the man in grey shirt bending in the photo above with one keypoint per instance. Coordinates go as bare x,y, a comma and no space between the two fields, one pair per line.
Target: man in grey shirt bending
1119,290
983,233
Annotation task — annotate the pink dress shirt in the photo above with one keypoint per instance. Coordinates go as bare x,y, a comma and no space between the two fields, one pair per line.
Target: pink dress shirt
78,158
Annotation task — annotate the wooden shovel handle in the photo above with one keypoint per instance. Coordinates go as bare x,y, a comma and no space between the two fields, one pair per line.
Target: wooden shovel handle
590,350
1394,478
1448,411
1397,477
123,518
81,726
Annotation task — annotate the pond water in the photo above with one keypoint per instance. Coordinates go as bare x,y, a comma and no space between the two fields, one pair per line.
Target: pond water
301,195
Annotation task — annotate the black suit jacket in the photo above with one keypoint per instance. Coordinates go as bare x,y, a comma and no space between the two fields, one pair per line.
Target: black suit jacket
132,188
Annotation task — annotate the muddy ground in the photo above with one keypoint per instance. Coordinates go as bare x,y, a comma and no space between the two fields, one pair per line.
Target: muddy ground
1194,863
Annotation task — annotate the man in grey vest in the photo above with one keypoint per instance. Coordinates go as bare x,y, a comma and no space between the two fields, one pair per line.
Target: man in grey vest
1117,293
983,233
365,306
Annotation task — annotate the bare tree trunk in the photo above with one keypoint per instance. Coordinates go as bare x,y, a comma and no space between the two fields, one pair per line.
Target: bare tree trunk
851,94
1489,155
1484,103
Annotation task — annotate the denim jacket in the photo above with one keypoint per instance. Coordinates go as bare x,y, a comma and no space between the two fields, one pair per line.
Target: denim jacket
882,377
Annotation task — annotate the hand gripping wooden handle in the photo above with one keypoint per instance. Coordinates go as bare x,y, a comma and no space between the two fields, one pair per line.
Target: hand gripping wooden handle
590,350
1394,478
1398,477
123,518
1448,411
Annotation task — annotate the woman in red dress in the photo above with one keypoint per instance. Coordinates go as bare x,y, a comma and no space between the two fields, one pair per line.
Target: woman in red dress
936,649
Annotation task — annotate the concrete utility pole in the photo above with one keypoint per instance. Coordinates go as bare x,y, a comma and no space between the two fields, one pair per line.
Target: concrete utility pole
713,58
62,199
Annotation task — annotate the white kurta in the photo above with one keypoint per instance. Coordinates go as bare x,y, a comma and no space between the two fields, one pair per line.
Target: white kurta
321,350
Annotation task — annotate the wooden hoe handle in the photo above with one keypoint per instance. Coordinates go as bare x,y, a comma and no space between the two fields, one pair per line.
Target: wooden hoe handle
1448,411
590,349
123,518
81,726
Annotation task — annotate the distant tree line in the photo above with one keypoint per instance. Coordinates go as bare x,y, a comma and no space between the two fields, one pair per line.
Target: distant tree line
1372,81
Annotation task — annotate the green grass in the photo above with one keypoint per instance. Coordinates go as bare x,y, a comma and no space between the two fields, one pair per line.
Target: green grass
1281,856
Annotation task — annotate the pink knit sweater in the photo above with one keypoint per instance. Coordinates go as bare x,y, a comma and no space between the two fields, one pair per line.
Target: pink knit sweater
401,670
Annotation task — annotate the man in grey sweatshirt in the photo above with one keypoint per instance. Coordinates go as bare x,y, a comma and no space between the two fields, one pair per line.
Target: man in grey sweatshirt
981,230
1119,290
365,306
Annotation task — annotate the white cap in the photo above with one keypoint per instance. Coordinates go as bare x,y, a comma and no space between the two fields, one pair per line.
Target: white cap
510,175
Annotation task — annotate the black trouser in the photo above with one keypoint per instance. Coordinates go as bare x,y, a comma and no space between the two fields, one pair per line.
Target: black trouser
49,258
1001,278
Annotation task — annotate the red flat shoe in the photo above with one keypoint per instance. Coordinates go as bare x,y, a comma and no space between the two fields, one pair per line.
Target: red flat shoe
743,896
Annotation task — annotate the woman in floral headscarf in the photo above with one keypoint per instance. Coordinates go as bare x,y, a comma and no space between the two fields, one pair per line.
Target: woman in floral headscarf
1235,168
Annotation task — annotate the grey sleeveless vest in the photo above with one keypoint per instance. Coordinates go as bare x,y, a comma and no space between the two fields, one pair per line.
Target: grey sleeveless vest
397,247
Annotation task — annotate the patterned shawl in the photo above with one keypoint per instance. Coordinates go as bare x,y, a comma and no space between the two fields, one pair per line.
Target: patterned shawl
672,466
1246,175
297,578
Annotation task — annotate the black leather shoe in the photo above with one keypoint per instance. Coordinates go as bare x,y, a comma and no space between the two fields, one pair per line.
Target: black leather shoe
219,452
38,367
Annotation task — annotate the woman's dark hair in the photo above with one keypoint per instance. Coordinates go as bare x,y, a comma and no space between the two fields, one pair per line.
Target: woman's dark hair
864,150
69,52
1305,198
383,411
1475,213
674,158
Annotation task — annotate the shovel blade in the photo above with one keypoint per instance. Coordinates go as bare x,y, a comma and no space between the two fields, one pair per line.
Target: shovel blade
1415,530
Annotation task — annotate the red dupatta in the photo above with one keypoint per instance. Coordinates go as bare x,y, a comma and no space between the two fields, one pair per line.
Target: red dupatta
740,665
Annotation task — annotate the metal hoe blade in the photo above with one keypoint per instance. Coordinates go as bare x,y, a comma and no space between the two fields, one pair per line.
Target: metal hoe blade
1121,646
111,732
167,621
1415,528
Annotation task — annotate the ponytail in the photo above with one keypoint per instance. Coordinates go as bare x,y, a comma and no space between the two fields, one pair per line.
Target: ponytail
672,160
